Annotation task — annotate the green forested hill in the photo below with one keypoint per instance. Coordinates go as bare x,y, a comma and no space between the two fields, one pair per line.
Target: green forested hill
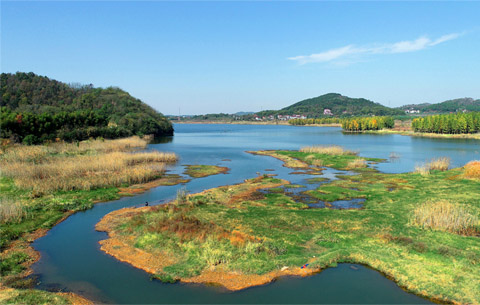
459,104
454,105
46,109
338,104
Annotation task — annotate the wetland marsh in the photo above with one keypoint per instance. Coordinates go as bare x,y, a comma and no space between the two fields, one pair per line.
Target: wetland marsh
71,258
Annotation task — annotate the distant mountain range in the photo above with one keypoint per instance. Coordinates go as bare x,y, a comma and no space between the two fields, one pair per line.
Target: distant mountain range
455,105
342,106
338,105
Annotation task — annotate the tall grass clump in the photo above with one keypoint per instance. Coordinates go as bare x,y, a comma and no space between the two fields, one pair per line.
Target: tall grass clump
445,216
472,169
423,170
182,195
327,150
11,210
440,164
357,163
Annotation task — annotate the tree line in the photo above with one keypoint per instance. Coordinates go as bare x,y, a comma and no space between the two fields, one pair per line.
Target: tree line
368,123
448,123
30,128
315,121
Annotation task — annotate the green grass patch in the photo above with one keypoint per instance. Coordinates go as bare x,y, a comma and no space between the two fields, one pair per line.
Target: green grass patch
199,171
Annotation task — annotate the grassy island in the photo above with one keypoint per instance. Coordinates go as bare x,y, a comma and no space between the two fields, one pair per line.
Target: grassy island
420,229
200,171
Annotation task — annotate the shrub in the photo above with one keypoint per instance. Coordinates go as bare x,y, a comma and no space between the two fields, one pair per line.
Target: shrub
472,170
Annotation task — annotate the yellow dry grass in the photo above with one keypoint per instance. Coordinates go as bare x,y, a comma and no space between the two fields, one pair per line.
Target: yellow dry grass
10,210
357,163
38,153
328,150
472,169
422,170
88,165
446,216
441,164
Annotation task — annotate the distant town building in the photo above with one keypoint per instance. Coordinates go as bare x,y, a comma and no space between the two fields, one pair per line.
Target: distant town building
327,111
412,110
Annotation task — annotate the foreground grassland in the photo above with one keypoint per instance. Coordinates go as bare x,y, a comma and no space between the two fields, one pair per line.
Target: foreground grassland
42,185
420,229
200,171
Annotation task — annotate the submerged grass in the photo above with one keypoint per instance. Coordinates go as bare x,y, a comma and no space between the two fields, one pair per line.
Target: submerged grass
238,230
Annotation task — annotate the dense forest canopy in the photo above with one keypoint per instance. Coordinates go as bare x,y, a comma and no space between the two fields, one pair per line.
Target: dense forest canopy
47,109
338,104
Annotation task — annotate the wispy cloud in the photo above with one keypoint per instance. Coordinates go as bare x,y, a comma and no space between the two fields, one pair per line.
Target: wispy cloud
351,51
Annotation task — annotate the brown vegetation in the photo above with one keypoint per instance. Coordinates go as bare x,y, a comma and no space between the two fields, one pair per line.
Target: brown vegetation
472,170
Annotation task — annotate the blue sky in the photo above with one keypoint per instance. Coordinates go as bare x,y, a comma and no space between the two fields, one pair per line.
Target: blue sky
209,57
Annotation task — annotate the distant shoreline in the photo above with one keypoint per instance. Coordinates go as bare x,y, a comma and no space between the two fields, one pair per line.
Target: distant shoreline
475,136
254,123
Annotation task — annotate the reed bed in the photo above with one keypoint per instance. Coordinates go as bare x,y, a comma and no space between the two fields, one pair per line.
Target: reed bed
11,210
85,172
445,216
328,150
38,153
66,167
357,163
472,169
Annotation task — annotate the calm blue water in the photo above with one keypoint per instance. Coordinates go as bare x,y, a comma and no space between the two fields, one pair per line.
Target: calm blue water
71,259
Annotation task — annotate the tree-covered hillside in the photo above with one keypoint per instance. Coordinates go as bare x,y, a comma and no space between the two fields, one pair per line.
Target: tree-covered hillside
456,105
47,109
338,104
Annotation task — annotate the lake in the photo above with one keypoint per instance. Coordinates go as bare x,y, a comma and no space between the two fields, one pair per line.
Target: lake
72,261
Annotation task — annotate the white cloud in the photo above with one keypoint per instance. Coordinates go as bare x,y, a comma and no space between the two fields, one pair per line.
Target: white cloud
350,51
